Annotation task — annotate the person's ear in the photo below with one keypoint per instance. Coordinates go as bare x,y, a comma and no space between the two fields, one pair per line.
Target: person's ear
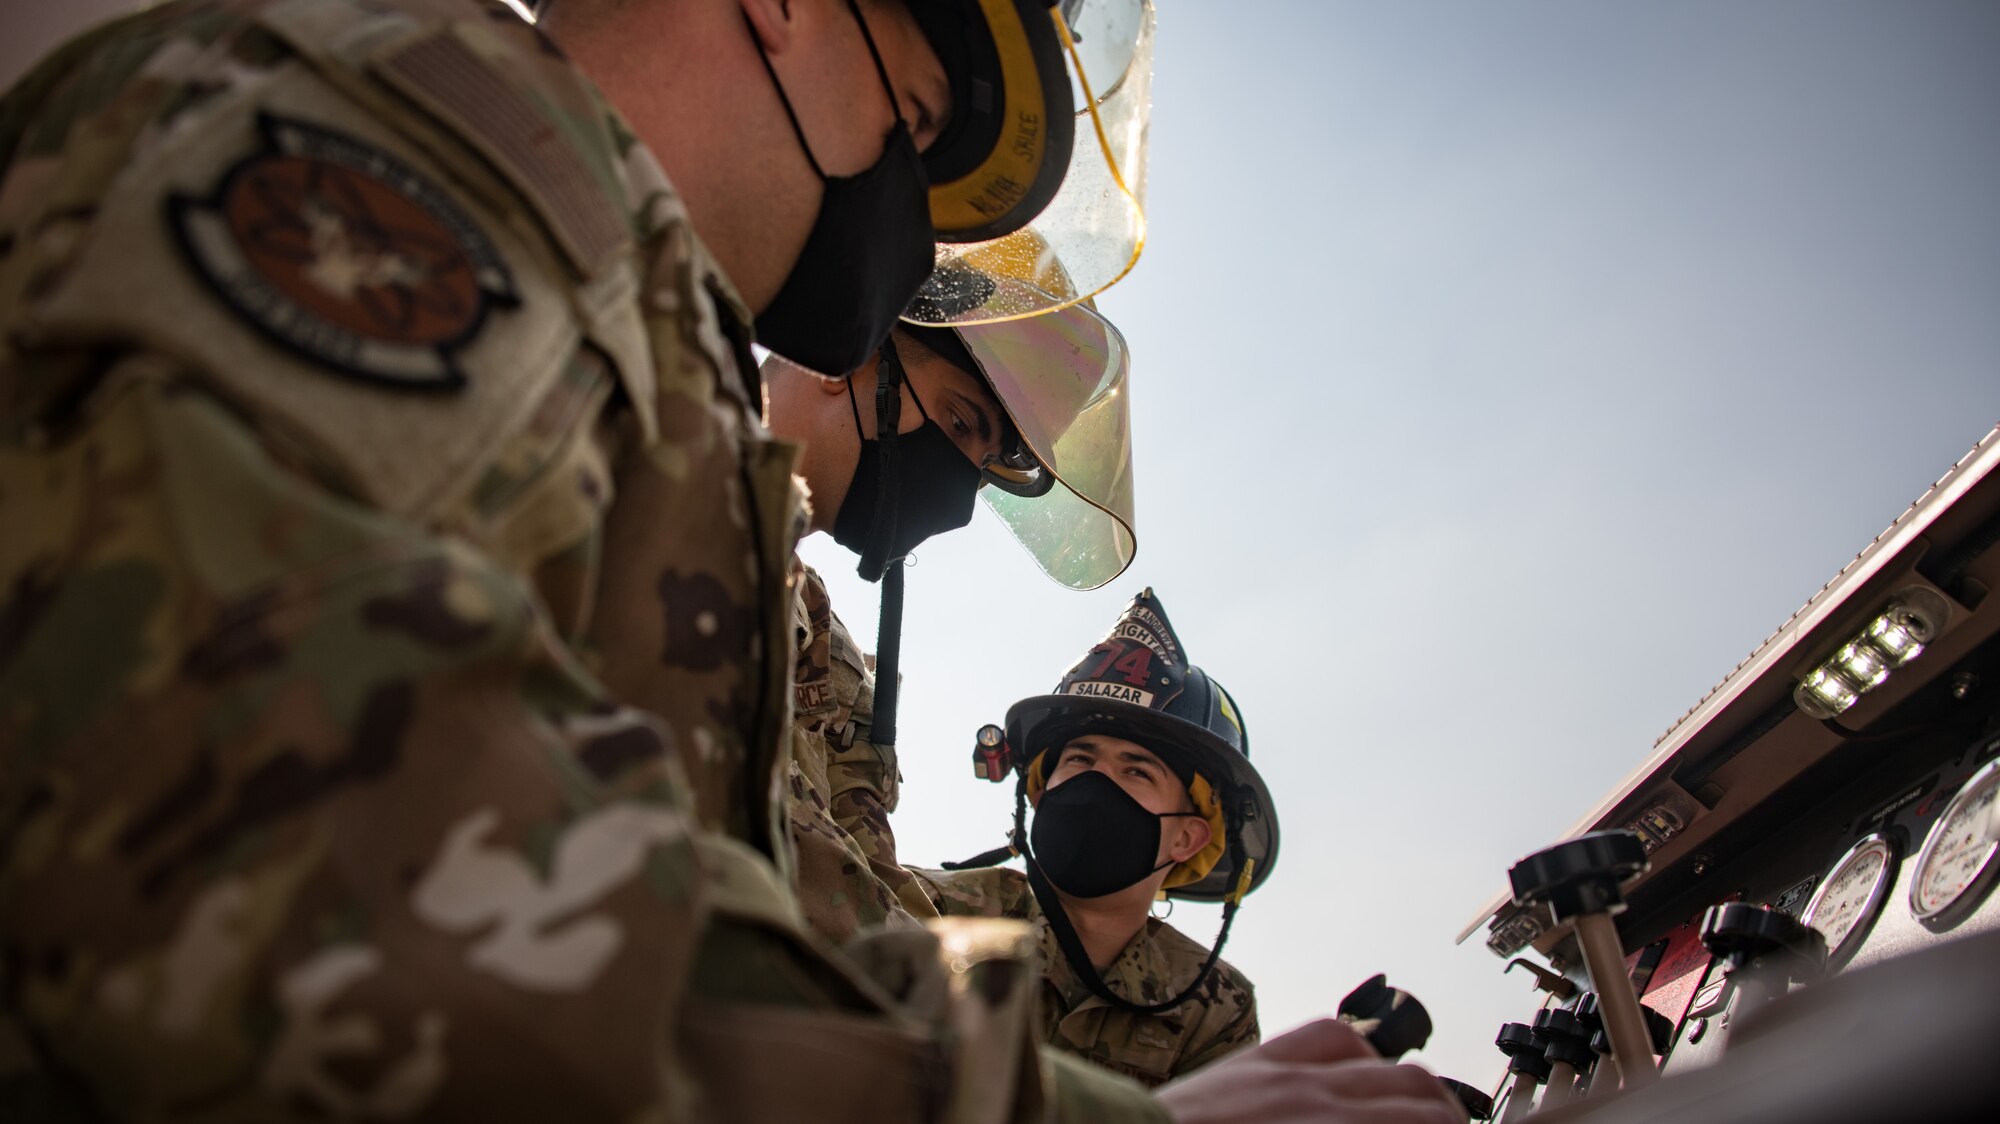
773,23
834,385
1192,835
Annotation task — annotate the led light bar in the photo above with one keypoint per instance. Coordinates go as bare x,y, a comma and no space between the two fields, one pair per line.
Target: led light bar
1912,619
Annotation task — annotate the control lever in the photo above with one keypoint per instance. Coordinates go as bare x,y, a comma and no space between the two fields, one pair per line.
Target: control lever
1394,1022
1390,1018
1523,1048
1551,982
1582,880
1599,1042
1763,951
1659,1028
1478,1106
1568,1053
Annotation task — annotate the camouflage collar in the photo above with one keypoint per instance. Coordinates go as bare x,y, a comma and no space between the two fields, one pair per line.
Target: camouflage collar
1157,964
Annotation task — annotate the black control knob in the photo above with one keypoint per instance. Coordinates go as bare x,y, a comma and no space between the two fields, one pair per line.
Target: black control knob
1590,1016
1524,1049
1659,1029
1583,875
1582,881
1525,1062
1568,1042
1778,943
1392,1019
1478,1106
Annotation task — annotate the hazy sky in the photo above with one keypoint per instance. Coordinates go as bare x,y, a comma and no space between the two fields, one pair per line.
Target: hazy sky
1503,374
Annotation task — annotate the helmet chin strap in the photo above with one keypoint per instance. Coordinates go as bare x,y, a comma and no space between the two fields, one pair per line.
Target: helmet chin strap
1065,932
874,565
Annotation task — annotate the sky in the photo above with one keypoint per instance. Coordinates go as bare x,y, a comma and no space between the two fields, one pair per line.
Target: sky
1503,374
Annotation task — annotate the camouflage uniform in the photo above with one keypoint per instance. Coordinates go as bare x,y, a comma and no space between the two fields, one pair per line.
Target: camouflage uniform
1159,964
842,785
392,701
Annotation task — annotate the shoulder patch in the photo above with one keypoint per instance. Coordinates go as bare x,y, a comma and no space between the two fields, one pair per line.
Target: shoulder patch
340,251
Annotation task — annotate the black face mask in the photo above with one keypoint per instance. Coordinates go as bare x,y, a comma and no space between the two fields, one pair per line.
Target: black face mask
1091,838
933,491
870,249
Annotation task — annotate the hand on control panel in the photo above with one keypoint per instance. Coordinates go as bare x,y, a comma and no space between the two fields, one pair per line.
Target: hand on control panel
1321,1073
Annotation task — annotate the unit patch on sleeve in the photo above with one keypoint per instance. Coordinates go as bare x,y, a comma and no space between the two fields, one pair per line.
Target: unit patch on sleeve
339,251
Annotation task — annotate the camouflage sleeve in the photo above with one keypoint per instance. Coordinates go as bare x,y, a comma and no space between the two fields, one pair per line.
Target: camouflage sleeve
981,892
309,813
864,784
1080,1092
842,786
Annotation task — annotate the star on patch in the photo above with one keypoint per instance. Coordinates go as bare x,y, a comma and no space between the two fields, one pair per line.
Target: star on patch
347,255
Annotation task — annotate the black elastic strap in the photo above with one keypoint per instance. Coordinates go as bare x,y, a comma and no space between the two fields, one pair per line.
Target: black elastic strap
1079,958
888,657
881,72
888,419
785,99
889,627
984,859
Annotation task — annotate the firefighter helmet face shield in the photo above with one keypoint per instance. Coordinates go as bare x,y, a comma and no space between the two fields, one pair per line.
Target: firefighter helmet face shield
1091,233
1064,489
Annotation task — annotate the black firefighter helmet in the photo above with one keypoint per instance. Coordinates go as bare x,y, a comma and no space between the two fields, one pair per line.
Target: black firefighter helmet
1137,684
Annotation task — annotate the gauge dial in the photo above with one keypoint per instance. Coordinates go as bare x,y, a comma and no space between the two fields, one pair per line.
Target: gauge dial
1957,865
1851,897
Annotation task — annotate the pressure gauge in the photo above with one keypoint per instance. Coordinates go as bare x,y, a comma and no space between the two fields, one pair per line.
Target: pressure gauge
1956,867
1851,897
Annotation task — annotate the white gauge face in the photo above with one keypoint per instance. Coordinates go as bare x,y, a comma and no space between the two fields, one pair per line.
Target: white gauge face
1851,896
1956,866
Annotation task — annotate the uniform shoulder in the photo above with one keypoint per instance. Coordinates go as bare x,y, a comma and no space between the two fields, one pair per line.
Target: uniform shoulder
376,228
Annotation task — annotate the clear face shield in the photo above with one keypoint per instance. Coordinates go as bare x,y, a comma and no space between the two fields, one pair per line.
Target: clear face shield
1065,491
1092,232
